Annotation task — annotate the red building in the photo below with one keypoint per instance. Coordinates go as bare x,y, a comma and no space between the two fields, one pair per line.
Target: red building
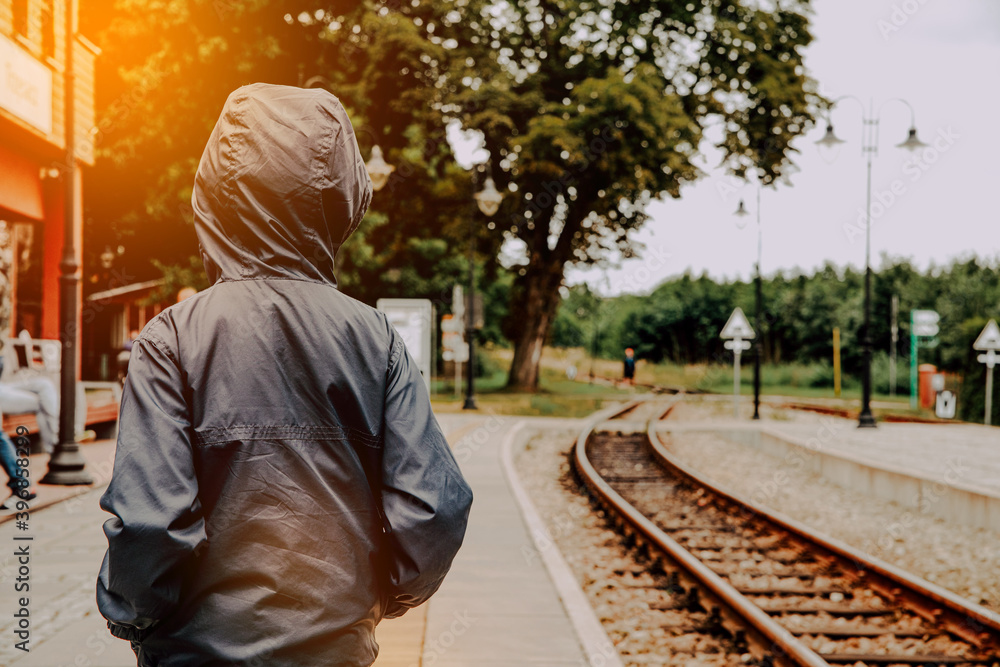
32,156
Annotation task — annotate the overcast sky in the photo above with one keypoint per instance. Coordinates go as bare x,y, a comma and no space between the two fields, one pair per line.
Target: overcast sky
944,59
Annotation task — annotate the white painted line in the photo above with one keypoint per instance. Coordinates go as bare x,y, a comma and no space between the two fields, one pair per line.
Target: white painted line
590,633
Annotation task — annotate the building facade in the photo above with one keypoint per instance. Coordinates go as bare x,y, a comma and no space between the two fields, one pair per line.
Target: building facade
33,95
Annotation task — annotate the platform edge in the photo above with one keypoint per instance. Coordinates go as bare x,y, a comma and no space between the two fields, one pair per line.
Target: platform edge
597,646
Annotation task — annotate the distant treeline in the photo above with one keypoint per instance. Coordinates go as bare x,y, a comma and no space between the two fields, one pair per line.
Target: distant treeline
681,319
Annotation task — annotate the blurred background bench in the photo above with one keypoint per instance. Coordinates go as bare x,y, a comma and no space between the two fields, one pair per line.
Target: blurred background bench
96,402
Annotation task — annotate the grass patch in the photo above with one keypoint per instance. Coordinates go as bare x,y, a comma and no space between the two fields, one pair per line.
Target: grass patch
557,396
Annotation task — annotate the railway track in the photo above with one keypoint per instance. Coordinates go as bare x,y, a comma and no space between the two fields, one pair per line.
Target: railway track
792,596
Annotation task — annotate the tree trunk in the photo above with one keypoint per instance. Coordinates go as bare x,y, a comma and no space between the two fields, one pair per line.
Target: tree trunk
533,309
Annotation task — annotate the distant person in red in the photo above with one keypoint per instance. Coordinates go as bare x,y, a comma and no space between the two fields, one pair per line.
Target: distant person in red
629,372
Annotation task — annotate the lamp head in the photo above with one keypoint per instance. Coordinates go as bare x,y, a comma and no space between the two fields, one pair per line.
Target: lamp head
489,199
378,169
741,215
912,143
829,145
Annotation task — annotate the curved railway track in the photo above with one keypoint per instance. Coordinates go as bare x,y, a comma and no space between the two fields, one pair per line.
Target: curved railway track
791,595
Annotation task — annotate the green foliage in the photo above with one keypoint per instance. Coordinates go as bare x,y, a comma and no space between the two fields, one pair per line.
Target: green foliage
177,277
972,393
567,330
816,375
487,365
880,374
578,319
680,321
166,70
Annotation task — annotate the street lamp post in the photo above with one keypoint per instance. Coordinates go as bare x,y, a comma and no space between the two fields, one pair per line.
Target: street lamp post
67,466
488,202
741,214
869,147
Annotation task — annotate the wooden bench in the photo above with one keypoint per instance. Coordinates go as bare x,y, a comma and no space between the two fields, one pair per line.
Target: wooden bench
97,415
97,403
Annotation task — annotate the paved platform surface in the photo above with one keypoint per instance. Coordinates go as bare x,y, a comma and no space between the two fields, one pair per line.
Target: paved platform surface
497,607
100,458
968,453
66,552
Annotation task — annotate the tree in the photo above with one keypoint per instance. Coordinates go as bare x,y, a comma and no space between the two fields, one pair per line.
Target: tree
167,68
382,64
591,109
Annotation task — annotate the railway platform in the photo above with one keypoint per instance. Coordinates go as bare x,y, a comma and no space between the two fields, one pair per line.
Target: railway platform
498,607
921,449
951,470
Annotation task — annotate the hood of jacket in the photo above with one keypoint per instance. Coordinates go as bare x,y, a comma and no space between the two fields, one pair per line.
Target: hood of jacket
280,186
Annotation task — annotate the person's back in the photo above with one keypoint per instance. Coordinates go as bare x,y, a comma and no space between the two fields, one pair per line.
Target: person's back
265,418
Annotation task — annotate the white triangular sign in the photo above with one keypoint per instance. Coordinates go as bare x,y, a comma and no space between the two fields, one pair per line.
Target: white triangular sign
989,339
738,326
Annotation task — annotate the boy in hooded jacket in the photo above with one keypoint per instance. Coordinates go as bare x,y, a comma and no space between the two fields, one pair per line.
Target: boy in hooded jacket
280,482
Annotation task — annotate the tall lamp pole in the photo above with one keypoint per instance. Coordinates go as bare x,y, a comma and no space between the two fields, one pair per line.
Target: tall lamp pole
67,466
488,203
869,146
741,215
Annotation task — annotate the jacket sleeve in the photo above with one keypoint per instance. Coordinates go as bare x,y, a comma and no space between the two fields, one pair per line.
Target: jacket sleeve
425,498
153,495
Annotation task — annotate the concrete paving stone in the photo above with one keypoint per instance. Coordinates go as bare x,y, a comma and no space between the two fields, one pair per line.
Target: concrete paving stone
459,661
482,606
401,639
65,622
511,574
502,547
968,454
481,599
497,606
99,457
483,662
83,643
488,486
523,637
43,592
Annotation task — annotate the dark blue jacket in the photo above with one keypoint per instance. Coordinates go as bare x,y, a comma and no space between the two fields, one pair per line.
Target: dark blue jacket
280,483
